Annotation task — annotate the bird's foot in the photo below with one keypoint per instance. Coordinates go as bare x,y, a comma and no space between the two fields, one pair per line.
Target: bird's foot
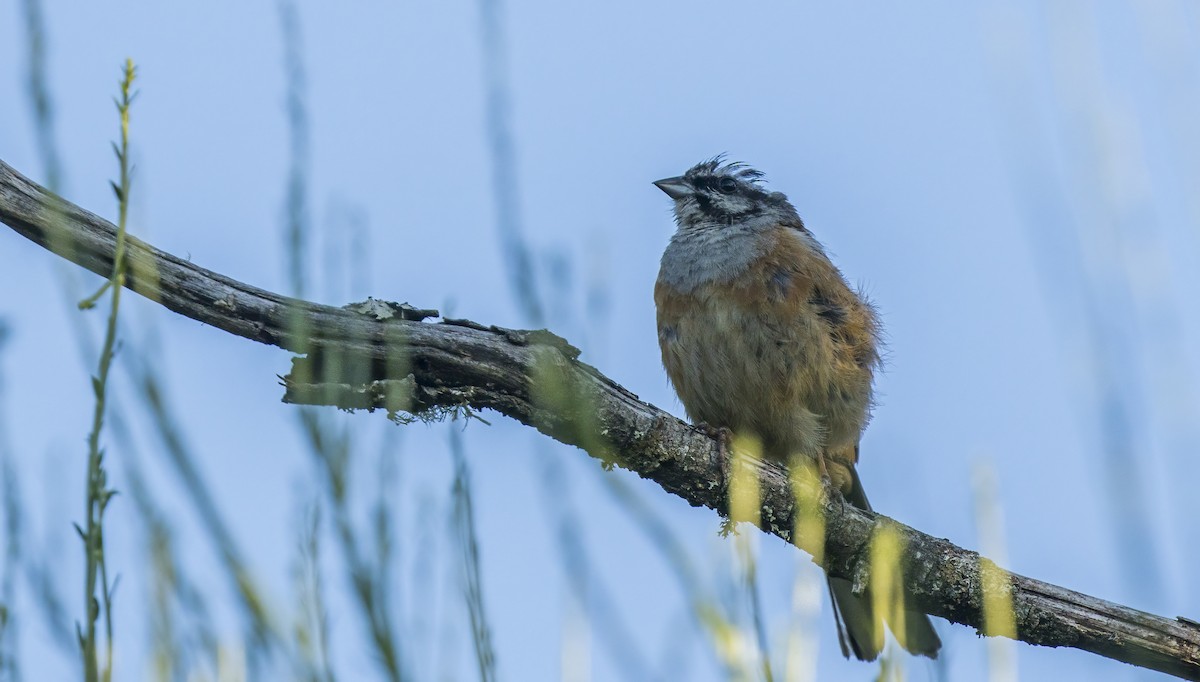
823,468
724,438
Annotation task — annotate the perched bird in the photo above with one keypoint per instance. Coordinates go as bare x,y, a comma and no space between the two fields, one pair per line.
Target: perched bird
762,336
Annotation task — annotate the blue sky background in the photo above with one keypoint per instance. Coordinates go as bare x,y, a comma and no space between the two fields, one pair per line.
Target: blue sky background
1014,184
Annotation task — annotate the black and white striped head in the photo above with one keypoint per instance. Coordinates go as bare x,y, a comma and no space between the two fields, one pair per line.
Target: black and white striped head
715,192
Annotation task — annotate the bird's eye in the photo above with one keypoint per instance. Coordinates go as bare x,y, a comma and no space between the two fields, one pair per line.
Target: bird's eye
727,185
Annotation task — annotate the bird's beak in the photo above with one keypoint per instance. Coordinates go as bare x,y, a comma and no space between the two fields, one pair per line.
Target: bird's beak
676,188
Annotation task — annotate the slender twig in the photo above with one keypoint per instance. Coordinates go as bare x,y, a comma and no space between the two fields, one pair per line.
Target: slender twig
517,254
456,363
464,525
296,211
753,597
331,450
39,93
519,266
11,523
312,618
42,113
98,494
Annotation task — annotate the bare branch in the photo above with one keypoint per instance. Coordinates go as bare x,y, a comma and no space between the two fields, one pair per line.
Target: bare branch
356,359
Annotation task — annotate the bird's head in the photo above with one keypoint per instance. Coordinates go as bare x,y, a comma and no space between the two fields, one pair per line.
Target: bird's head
714,193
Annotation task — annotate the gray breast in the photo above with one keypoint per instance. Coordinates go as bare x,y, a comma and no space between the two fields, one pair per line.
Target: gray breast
702,255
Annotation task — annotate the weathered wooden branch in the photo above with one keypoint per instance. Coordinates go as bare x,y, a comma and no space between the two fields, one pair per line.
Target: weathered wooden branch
378,355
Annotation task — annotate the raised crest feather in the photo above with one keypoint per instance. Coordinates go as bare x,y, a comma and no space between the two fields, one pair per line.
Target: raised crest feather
719,166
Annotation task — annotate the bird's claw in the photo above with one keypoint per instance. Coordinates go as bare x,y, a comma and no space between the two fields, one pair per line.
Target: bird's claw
724,438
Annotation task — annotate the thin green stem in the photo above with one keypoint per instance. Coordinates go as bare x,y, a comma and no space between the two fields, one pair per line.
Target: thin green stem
98,492
91,301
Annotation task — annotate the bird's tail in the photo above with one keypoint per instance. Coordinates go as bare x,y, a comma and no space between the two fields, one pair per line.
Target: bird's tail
860,629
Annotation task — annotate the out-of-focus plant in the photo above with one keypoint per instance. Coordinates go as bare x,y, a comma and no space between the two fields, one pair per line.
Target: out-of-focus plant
999,619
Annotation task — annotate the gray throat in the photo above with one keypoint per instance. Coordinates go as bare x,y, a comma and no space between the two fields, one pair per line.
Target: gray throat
703,254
